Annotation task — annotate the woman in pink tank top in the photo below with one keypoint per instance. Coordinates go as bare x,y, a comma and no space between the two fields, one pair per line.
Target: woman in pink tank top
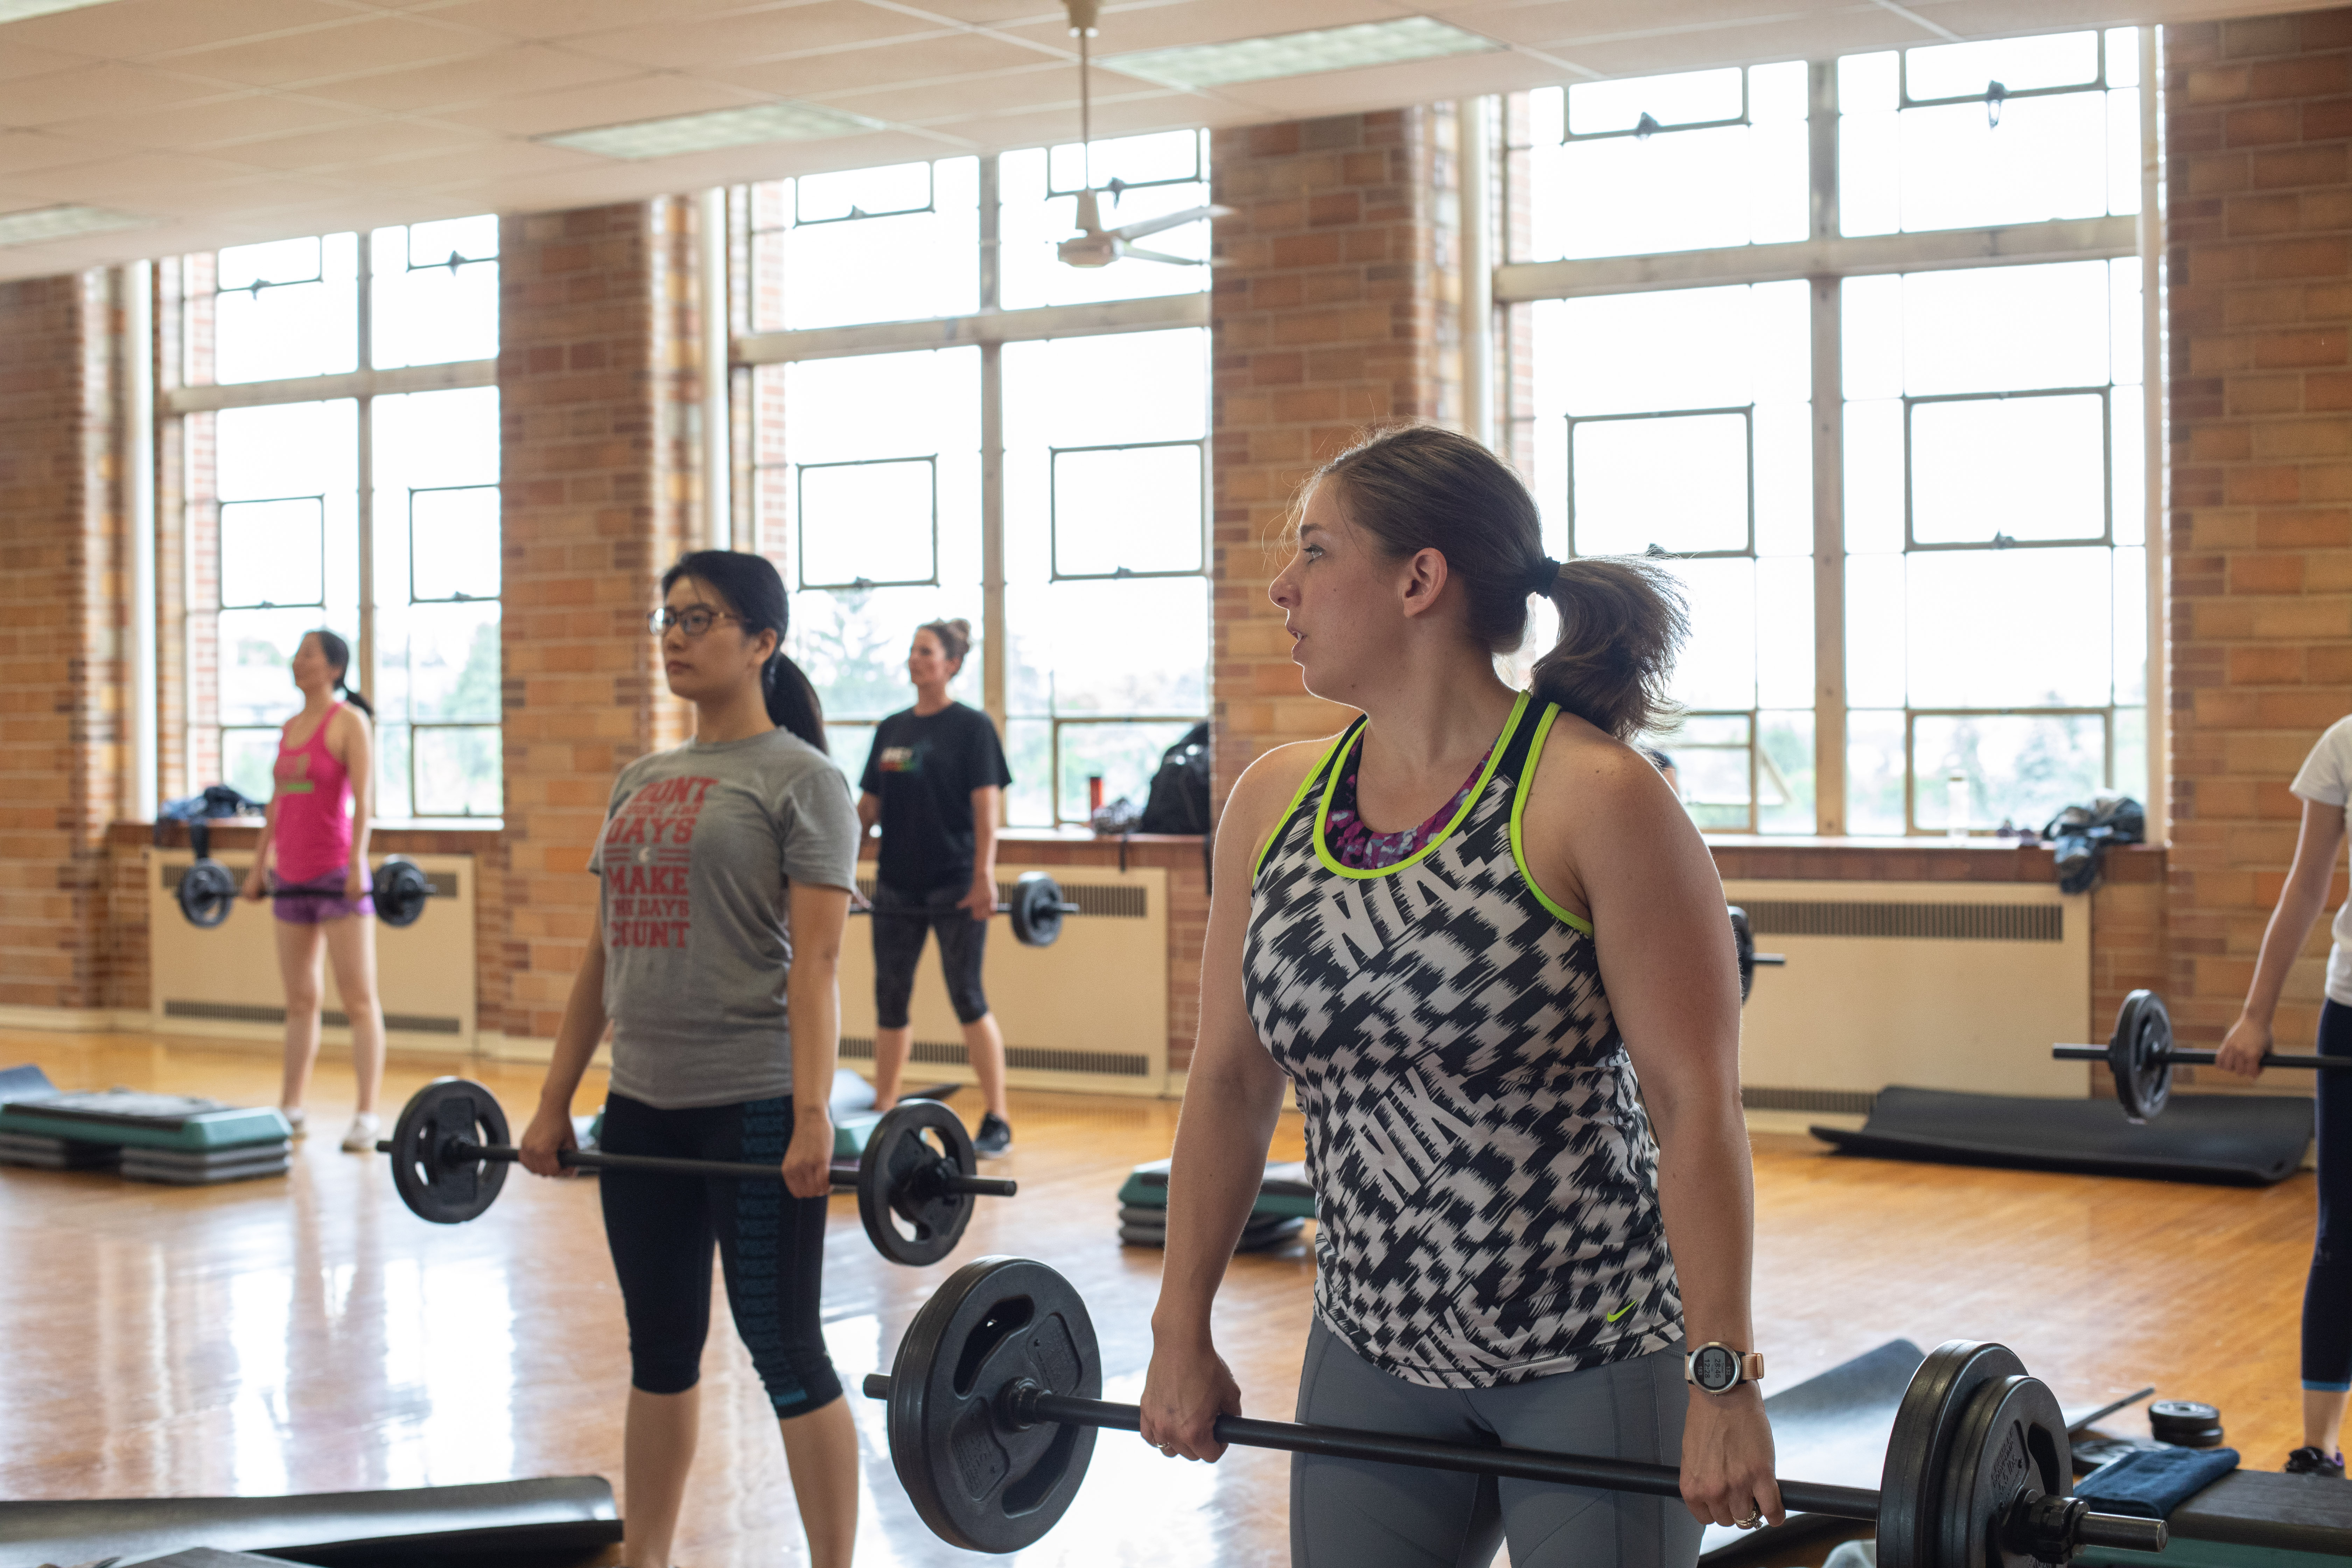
315,849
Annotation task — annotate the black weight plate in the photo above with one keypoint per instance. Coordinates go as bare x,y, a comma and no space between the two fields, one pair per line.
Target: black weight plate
1037,910
206,893
1927,1427
911,1217
434,1185
2139,1056
2011,1437
977,1480
1743,943
401,891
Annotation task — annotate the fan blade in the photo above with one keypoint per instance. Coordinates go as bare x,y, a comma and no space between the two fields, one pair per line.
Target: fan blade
1173,220
1089,214
1140,254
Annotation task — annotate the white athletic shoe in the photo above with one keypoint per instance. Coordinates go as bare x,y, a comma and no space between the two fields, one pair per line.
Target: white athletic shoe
295,1118
360,1139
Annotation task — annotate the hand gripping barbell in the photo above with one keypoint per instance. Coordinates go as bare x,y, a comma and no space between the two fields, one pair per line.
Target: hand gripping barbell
208,890
1035,907
2141,1056
993,1408
449,1158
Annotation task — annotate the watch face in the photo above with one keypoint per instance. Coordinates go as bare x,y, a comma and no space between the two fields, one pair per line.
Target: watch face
1715,1369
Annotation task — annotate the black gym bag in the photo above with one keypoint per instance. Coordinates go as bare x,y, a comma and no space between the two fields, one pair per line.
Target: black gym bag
1179,801
199,810
2081,834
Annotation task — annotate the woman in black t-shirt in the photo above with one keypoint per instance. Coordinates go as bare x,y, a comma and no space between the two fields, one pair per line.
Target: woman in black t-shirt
934,782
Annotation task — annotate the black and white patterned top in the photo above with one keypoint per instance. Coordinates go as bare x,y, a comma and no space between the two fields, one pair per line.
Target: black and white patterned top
1486,1181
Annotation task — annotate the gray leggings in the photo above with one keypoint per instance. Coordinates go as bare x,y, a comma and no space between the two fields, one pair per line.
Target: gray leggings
1346,1513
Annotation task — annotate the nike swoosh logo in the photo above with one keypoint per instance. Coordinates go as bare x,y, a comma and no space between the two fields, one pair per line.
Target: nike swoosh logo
1619,1312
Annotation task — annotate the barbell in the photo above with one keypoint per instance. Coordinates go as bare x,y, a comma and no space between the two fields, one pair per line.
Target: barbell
992,1409
1743,944
208,890
1036,908
2141,1056
450,1153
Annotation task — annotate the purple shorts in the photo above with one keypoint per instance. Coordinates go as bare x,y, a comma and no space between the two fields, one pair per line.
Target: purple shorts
328,905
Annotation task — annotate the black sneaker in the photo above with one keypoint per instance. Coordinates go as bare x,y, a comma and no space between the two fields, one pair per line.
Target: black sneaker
2315,1462
995,1136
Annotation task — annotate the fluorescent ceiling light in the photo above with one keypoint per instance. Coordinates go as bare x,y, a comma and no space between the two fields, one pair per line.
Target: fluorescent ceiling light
37,224
1300,54
18,10
779,121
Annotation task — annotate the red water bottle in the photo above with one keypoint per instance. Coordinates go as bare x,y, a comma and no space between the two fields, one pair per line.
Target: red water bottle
1094,794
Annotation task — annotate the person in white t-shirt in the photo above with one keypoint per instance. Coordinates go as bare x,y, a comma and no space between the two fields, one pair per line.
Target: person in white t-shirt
2324,786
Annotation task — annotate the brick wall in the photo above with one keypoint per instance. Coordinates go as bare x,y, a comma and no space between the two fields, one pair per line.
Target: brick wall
2258,132
1331,311
62,588
594,356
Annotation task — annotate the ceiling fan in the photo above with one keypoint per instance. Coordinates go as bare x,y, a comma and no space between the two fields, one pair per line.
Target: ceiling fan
1093,245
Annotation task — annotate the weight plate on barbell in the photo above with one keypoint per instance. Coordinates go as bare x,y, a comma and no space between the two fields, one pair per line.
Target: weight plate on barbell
1037,910
434,1185
980,1482
909,1217
1743,944
401,891
1926,1444
2011,1436
206,892
2139,1056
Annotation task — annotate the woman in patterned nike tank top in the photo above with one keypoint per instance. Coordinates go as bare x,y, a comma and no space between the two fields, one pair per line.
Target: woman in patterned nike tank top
1482,940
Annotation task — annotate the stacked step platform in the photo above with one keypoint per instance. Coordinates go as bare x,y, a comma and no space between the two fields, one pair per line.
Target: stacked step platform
180,1138
1285,1202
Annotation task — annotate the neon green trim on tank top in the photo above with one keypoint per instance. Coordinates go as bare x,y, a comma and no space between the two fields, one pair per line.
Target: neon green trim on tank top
1297,795
1520,810
1469,804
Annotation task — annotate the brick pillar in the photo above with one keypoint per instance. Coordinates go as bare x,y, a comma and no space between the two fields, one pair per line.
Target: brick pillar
2260,124
596,377
62,588
1333,312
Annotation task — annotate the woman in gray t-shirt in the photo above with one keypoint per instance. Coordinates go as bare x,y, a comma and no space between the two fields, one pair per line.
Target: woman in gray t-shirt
725,865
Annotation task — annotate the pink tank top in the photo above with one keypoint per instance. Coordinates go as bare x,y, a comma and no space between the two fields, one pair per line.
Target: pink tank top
313,800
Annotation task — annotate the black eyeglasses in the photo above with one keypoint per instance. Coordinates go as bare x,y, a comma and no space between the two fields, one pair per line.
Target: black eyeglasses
694,620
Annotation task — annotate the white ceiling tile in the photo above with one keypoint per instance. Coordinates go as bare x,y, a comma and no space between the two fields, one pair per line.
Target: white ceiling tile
778,31
1752,43
38,150
651,95
568,18
362,45
500,160
1562,23
134,29
940,59
374,141
514,71
103,89
1206,22
196,126
132,180
1028,88
27,61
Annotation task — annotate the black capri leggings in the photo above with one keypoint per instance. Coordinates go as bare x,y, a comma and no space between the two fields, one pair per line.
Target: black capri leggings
2327,1296
771,1248
899,921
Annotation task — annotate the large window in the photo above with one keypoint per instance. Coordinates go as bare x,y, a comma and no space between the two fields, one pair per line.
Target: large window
1921,459
1046,482
342,445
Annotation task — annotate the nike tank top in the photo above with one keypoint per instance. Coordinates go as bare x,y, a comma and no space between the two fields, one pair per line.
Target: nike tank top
1486,1180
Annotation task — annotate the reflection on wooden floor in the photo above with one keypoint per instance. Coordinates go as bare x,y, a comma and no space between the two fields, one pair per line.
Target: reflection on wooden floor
311,1334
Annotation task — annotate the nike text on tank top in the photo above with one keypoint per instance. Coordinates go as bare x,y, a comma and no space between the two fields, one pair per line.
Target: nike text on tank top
313,797
1486,1180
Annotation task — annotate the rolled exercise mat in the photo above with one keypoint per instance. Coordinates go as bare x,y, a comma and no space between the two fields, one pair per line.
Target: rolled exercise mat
2248,1140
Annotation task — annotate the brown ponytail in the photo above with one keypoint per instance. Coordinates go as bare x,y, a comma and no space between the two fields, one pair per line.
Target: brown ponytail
1623,619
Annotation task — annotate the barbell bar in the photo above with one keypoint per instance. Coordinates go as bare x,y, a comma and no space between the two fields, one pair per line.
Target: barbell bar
916,1180
2141,1056
208,890
993,1404
1036,908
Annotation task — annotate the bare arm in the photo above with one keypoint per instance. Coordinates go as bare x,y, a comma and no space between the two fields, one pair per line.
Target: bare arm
987,804
2301,903
255,878
1233,1098
813,1003
357,753
869,812
1605,830
576,1039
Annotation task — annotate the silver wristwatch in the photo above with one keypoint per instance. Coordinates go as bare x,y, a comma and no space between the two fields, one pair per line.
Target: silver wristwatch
1719,1369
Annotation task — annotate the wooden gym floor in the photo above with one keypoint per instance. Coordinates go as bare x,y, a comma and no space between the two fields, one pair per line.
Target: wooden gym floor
312,1335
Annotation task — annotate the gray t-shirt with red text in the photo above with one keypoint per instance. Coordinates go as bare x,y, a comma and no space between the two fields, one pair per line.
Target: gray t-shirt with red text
699,847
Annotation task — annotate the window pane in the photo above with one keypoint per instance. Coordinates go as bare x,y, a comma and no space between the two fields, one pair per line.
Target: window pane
2021,768
1124,756
866,193
1033,221
435,291
249,761
1784,631
2021,65
1874,773
458,773
1687,348
273,553
1711,762
836,266
1784,772
2130,774
868,522
1137,646
852,646
1736,184
1029,754
2004,329
1874,632
1784,479
2047,158
2131,627
451,652
854,410
1691,98
1874,476
1717,669
1676,484
847,743
289,308
293,450
454,544
2031,468
256,656
392,749
1127,508
1997,628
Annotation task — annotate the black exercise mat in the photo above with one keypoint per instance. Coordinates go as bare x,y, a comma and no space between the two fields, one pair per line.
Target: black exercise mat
2247,1141
481,1524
